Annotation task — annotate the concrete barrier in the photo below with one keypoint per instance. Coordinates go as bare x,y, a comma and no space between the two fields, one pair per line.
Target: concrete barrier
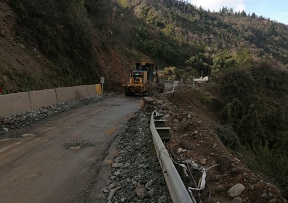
91,90
23,101
80,92
65,94
42,98
14,103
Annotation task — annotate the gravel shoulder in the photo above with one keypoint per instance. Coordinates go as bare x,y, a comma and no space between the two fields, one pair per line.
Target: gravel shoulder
135,175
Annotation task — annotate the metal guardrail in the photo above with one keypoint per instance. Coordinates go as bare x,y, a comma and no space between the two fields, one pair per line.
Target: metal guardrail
176,187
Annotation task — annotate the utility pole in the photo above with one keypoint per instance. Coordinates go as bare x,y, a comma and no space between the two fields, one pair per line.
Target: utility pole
209,40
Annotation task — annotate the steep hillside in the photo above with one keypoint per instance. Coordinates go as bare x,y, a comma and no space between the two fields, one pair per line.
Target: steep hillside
18,65
58,44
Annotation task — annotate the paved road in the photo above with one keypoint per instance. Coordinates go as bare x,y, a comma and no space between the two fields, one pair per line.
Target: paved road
57,159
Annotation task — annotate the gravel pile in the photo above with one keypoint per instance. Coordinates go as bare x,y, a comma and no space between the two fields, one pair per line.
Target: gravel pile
22,120
136,173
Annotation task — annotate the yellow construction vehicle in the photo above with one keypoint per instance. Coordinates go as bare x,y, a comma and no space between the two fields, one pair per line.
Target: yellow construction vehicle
143,80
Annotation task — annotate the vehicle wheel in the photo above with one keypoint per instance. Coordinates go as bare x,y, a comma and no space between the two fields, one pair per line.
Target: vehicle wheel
151,89
161,87
128,92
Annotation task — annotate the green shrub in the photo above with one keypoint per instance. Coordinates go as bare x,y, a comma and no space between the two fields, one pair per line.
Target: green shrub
228,137
256,108
271,163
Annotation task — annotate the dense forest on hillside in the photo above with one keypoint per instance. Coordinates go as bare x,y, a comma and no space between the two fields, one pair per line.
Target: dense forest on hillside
246,55
253,103
175,31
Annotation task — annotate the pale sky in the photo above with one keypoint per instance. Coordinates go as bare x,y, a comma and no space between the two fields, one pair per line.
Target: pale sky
273,9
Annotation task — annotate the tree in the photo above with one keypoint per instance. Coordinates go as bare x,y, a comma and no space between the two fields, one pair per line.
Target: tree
223,61
243,58
198,62
243,13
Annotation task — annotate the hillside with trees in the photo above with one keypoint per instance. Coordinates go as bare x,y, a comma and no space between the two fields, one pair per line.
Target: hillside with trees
63,43
180,34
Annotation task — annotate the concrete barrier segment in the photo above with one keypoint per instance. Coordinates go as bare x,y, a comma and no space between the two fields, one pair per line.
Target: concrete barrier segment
80,92
91,90
16,103
24,101
64,94
42,98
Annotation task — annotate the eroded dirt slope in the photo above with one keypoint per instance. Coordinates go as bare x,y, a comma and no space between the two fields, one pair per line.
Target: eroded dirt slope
193,137
15,58
23,67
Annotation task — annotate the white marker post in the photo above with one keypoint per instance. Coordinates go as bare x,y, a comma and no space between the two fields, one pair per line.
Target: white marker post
102,80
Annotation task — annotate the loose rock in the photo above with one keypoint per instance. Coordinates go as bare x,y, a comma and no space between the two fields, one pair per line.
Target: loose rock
151,192
118,165
141,191
162,199
236,171
224,163
236,190
176,121
237,200
264,195
126,165
272,201
117,173
203,161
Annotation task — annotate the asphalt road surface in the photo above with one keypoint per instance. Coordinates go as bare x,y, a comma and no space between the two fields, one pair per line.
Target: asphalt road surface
56,160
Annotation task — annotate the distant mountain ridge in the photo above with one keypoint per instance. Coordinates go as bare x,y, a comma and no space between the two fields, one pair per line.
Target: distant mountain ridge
185,28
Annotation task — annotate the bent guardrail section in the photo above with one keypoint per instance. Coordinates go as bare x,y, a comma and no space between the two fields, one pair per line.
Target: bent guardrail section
176,187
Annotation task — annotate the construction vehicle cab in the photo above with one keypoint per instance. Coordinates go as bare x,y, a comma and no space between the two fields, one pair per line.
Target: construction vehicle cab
144,79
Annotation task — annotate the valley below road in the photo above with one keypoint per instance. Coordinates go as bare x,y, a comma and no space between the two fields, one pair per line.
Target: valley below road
57,160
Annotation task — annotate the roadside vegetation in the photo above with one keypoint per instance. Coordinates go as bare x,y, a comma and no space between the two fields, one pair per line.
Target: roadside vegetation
253,103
